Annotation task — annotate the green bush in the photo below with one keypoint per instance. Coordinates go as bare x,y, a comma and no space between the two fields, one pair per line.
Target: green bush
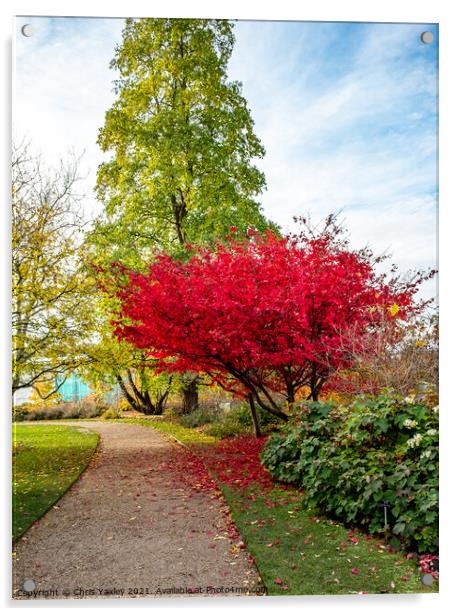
351,459
242,414
226,427
20,412
111,414
237,421
224,424
199,417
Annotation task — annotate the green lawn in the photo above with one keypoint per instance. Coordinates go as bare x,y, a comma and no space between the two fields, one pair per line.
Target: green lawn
187,436
46,461
299,552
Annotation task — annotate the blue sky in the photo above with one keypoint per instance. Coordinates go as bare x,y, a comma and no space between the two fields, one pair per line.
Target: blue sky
347,113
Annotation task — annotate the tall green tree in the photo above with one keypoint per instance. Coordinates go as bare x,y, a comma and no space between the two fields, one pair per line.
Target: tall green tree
181,140
181,145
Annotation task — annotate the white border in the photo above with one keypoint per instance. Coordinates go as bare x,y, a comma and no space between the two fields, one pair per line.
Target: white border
419,11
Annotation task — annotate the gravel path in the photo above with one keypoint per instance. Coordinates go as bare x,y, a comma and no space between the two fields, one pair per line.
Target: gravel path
131,526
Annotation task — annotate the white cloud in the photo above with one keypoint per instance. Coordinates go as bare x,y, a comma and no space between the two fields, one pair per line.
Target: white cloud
361,141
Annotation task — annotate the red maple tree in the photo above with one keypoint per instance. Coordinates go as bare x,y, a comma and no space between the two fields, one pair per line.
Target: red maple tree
265,317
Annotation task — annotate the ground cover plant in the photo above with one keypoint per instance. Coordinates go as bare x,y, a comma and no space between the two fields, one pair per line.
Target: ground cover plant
47,459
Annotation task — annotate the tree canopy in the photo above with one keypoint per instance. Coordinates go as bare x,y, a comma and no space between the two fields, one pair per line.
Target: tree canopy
181,141
265,315
50,314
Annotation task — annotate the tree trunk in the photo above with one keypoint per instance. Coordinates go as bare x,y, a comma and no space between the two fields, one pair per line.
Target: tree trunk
130,399
190,396
254,417
150,408
290,394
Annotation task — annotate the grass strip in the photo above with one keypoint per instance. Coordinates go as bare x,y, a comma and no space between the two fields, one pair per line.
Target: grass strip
47,459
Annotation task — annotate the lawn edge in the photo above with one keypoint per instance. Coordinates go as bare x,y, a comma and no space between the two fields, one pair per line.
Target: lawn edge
83,470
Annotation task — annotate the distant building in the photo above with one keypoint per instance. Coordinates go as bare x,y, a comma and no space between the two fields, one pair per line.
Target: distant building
73,389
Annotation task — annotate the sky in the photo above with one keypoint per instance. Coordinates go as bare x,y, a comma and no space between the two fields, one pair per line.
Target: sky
347,113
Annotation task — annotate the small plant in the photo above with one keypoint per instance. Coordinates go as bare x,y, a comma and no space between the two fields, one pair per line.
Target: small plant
111,414
200,417
20,412
227,427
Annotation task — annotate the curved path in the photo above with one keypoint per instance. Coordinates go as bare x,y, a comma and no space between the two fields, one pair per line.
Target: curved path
131,526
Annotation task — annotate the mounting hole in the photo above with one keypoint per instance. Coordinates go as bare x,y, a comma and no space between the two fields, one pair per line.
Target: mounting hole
427,579
27,30
427,38
29,586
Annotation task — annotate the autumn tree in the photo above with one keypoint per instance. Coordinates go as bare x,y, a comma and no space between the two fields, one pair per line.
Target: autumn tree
181,142
49,288
269,316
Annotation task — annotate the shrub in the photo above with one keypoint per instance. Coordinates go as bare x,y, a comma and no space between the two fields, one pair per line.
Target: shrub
20,412
111,414
242,414
227,427
237,421
200,417
349,460
220,423
90,406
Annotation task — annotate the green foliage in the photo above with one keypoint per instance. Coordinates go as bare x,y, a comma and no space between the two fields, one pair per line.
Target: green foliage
199,417
225,428
267,421
46,461
111,414
233,422
20,412
182,140
351,459
238,421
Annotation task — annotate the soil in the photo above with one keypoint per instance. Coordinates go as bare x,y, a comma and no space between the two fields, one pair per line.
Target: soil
132,527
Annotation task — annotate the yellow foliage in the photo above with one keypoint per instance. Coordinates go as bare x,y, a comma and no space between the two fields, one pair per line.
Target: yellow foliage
40,395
